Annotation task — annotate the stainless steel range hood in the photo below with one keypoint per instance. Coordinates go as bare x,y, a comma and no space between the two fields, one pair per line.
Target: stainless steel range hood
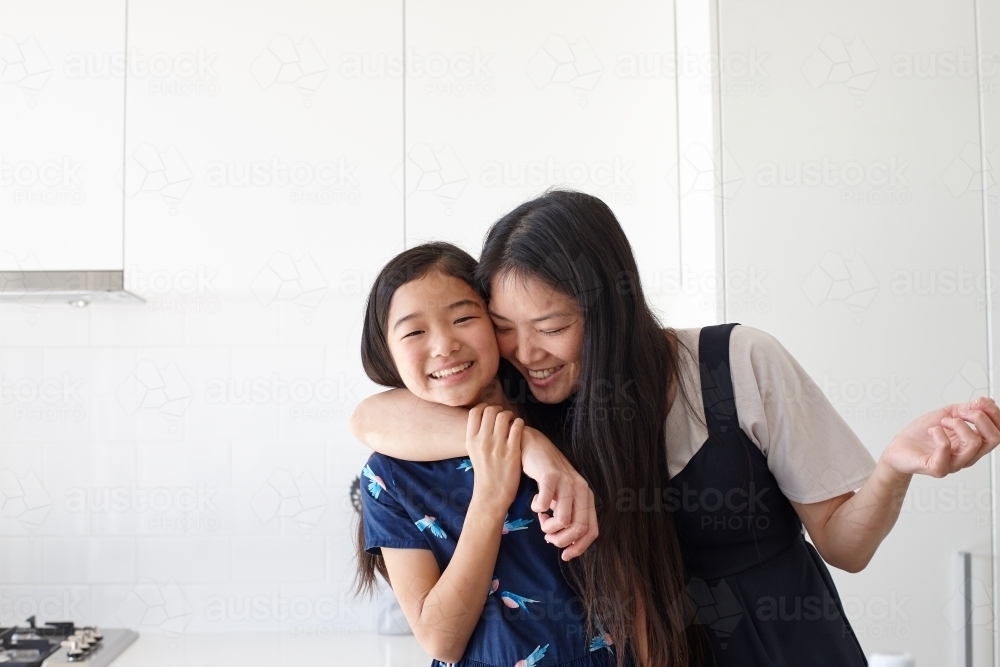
77,288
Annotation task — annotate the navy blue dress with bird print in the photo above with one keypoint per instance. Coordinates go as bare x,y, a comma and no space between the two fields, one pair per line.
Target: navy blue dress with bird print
531,616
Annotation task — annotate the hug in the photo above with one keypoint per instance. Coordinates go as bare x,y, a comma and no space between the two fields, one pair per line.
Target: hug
632,494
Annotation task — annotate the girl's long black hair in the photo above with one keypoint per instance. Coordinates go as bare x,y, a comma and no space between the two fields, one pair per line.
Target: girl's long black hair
613,428
407,266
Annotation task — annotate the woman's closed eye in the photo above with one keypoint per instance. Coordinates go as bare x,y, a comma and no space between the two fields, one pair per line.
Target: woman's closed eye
555,331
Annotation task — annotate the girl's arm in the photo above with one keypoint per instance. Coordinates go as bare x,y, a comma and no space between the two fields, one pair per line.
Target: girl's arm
398,424
444,608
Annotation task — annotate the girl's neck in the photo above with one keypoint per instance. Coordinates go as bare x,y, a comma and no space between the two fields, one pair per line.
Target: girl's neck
492,394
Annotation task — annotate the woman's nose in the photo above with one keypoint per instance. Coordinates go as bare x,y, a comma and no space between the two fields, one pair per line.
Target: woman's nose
527,352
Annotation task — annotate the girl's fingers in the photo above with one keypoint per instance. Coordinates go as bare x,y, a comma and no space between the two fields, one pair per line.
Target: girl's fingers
514,437
501,427
475,421
489,420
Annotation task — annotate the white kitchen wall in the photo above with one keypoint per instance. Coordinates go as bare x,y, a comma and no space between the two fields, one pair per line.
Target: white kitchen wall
183,466
860,209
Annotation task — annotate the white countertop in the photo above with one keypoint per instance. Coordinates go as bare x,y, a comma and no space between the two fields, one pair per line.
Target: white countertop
271,650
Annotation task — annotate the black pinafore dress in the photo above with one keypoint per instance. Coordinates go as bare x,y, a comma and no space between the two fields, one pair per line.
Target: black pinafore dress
762,594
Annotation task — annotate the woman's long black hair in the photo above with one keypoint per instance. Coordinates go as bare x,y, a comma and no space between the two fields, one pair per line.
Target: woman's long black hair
613,428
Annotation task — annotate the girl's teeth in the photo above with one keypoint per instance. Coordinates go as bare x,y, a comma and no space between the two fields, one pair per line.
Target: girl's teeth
451,371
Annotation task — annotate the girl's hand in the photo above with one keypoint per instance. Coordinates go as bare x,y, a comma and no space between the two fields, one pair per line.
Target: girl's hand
493,439
573,524
942,442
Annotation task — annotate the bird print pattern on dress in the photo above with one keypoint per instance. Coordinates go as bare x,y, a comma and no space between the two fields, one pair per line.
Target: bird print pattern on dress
534,658
432,523
516,524
376,485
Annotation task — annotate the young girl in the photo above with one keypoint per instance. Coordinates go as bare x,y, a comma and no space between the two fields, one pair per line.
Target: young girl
457,538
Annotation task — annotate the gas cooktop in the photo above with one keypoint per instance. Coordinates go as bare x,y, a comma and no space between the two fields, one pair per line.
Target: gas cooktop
61,643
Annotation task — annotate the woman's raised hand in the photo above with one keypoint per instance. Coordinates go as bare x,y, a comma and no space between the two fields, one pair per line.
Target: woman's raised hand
943,441
573,524
493,439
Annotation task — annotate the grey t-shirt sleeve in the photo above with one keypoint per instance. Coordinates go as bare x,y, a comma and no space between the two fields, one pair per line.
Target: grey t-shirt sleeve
811,451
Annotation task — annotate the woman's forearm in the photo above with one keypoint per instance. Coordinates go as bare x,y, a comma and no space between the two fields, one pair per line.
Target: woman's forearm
452,608
398,424
856,528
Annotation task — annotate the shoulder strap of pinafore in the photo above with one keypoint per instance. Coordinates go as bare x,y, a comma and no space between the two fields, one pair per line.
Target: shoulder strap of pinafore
716,379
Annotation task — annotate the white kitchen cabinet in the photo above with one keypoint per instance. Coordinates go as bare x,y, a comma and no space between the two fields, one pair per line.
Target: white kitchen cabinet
860,210
61,100
504,101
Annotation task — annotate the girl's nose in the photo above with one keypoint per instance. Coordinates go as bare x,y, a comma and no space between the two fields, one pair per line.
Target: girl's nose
444,344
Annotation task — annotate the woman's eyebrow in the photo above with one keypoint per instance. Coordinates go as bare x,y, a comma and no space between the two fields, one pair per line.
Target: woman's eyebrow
550,316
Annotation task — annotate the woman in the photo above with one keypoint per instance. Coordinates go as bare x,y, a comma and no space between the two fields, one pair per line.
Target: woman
750,454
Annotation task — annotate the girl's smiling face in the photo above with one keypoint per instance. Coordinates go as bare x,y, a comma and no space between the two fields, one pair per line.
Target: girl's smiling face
442,340
540,330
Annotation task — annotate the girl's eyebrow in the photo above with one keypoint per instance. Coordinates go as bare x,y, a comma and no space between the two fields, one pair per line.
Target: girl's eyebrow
458,304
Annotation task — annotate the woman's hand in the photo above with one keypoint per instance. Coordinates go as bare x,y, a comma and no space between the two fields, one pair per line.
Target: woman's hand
942,442
573,524
493,439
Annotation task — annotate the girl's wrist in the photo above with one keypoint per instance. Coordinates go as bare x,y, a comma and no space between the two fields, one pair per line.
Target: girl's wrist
490,503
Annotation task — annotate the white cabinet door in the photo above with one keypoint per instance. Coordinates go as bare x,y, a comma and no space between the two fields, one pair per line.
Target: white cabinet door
506,100
61,101
861,213
260,147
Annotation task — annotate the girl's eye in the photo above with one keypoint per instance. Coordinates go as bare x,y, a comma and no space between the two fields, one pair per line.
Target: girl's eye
464,319
413,333
555,331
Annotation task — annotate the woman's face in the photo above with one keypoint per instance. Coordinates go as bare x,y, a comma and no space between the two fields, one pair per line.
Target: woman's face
442,340
540,330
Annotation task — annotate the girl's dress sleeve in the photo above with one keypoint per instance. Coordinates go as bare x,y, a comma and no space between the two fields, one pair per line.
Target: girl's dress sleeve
386,521
811,451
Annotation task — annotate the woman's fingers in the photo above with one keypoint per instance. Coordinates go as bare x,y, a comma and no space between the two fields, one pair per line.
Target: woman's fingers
986,425
969,442
939,462
546,492
583,543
